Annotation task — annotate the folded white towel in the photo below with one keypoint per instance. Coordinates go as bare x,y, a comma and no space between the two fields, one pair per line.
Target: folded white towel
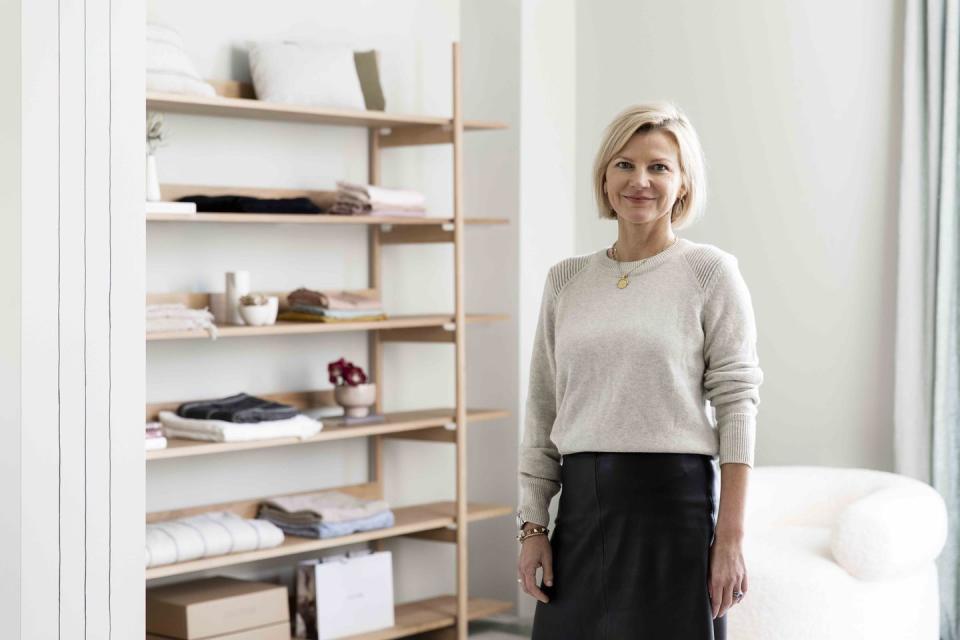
299,426
155,443
206,535
173,541
177,317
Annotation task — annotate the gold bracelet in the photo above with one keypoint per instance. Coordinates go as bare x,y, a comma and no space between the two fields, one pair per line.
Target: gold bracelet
535,531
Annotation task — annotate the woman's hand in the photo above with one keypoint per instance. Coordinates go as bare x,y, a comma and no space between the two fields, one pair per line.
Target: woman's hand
535,552
728,573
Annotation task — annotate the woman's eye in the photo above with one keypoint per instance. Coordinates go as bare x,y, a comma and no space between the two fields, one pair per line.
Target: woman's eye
661,167
623,164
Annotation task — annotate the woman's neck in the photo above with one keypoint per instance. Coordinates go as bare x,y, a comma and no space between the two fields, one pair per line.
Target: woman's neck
635,243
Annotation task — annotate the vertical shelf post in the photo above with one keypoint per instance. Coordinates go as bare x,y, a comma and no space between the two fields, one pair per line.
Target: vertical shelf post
374,343
461,335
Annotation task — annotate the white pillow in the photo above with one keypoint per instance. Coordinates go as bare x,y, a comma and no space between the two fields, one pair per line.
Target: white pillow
168,67
304,73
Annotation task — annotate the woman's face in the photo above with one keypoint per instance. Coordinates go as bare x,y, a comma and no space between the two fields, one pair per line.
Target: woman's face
643,179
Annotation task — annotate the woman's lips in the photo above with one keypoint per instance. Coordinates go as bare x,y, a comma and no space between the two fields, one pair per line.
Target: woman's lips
638,199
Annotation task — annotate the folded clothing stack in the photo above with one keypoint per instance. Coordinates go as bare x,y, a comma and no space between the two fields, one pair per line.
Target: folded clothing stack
237,418
240,407
365,199
209,534
247,204
154,436
326,515
299,426
307,305
178,317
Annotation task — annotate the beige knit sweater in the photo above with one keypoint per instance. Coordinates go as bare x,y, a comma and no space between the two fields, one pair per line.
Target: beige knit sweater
632,369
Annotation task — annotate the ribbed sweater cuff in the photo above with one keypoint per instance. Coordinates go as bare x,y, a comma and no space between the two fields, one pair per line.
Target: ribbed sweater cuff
737,438
535,496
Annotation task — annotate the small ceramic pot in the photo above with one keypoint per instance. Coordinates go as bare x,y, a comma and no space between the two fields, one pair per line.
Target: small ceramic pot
356,401
258,315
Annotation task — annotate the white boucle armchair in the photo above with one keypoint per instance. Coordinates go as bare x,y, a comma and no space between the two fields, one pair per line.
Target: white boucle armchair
843,554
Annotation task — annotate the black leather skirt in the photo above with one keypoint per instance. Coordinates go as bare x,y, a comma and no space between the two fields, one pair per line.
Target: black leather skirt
631,549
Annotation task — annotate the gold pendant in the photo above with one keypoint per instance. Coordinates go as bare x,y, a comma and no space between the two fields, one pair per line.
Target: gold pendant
622,282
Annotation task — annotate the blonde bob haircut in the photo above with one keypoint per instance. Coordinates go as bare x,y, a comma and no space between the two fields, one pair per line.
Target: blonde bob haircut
648,117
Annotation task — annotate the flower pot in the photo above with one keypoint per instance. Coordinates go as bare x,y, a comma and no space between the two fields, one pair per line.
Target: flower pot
356,401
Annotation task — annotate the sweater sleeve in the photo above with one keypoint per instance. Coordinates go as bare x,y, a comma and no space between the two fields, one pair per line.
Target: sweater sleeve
539,458
732,374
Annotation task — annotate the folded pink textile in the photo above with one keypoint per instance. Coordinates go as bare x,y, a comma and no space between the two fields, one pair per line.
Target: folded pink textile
332,299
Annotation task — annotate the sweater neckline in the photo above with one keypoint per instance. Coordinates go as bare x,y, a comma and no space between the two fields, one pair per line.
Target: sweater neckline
639,266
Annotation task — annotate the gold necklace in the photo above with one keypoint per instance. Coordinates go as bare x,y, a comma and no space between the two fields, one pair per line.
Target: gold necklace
624,281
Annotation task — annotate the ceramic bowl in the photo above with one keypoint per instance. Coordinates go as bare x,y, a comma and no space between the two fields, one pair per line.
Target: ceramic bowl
259,315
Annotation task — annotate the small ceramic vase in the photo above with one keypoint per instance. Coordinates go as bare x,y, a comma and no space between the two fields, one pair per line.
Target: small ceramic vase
356,400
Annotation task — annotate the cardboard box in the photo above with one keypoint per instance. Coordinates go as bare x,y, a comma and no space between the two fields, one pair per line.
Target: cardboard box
214,607
279,631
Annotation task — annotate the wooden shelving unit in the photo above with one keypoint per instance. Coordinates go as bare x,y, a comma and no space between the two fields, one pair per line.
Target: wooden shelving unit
438,521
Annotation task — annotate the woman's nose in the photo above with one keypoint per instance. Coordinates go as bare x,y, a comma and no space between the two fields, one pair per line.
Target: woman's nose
640,179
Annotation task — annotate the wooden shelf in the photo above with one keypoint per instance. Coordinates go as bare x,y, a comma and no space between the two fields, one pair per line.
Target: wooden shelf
323,199
429,615
319,218
296,328
396,423
260,110
408,520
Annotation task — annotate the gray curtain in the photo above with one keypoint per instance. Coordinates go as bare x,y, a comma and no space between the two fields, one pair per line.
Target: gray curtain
927,395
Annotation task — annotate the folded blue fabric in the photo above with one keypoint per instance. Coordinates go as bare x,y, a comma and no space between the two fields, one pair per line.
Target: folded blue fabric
324,530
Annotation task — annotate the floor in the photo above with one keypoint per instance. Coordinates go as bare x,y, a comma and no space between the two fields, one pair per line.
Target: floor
500,628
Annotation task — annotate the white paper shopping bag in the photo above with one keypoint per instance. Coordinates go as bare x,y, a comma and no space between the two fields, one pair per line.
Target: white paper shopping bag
350,595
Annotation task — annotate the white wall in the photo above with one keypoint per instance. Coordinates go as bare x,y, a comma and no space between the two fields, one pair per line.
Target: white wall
797,106
547,169
490,34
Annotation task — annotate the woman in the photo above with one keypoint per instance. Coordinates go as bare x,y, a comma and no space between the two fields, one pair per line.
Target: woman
632,341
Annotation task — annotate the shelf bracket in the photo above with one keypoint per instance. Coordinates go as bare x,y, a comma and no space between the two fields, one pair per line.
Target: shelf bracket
416,135
416,234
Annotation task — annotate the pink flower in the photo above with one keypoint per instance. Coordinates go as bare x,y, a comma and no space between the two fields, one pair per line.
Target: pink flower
343,372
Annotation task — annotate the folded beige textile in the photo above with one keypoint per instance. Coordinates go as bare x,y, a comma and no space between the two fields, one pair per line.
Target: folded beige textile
351,198
329,506
376,195
177,317
333,299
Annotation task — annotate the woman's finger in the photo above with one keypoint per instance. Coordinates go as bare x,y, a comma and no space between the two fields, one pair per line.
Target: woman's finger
727,600
530,582
716,599
547,563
